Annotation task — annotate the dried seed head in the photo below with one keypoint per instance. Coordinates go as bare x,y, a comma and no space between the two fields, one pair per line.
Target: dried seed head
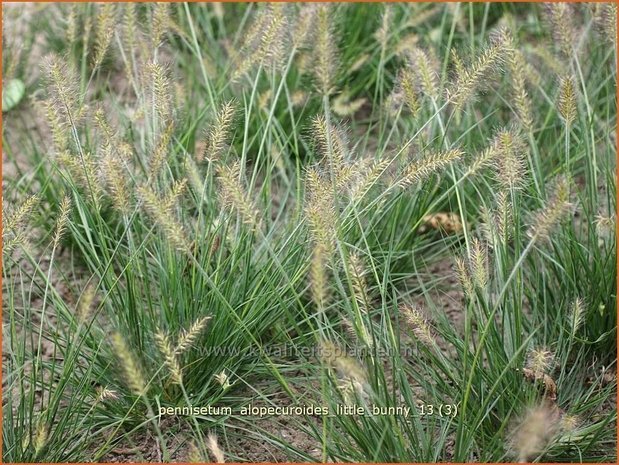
219,133
605,226
232,194
478,259
556,208
569,423
133,374
358,63
177,189
427,166
63,218
304,29
63,90
318,276
423,67
298,98
540,361
72,23
325,50
84,173
459,66
533,433
547,58
350,369
406,86
331,143
194,455
422,14
41,436
218,10
274,38
394,103
158,81
369,176
114,175
87,29
125,151
104,393
188,337
194,175
104,31
130,26
606,21
487,156
164,217
244,59
358,331
265,42
448,222
320,210
407,43
160,151
559,16
85,304
577,312
566,103
511,165
109,135
214,448
180,95
418,324
59,127
356,270
223,380
464,276
522,101
386,25
264,98
170,361
14,224
487,226
506,153
17,219
470,78
503,217
161,22
304,62
346,367
532,75
343,106
349,328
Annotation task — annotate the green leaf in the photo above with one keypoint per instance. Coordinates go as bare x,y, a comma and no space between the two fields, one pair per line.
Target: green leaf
12,93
